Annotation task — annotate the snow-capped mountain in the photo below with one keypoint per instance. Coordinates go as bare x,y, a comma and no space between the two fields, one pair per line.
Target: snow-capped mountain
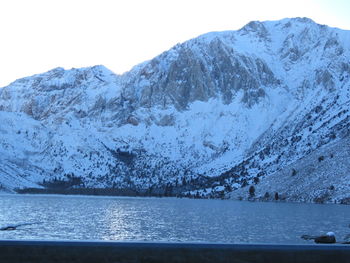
218,112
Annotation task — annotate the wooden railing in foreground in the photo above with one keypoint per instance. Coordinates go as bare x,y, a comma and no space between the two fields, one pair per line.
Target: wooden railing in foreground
132,252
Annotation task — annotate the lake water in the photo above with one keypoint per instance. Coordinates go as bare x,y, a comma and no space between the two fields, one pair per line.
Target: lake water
167,219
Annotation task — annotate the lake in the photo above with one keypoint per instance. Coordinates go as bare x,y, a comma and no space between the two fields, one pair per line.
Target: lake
168,219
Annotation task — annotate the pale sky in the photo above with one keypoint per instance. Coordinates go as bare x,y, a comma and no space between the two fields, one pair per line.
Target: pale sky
38,35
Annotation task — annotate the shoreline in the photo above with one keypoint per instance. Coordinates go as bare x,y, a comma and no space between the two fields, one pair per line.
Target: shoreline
111,192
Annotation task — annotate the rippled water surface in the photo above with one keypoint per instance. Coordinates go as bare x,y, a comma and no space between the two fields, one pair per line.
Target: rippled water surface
167,219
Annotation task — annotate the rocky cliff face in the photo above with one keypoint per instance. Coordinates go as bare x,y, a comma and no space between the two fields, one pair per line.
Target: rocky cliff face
211,115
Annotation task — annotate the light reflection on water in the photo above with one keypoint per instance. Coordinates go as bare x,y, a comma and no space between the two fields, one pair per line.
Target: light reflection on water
167,219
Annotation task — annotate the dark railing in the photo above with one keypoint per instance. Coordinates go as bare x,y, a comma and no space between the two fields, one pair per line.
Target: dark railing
130,252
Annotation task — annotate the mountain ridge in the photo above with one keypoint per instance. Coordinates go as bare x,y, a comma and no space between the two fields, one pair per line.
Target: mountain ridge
205,118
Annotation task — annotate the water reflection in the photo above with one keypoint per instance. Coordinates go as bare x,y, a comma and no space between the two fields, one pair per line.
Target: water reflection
166,219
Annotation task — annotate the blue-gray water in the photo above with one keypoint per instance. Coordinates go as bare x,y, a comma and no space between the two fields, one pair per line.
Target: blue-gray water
167,219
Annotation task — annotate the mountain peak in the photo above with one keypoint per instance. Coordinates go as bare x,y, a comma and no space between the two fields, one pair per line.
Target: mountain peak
260,25
253,25
304,20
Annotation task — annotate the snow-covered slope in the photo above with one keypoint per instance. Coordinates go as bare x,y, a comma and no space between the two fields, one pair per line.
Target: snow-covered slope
321,176
221,111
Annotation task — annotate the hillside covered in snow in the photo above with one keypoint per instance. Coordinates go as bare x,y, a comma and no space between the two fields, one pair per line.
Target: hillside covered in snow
267,105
